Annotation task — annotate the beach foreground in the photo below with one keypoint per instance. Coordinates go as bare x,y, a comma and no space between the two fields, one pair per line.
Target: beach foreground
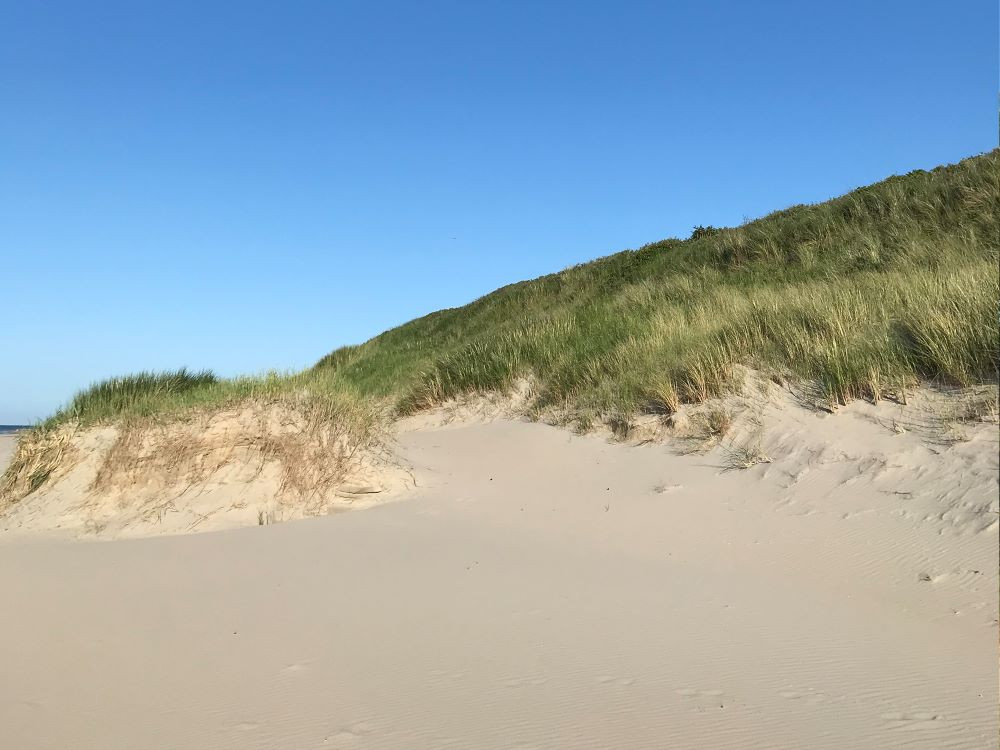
542,589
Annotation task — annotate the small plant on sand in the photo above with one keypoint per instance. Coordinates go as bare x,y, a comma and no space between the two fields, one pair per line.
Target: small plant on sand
718,421
745,454
39,454
981,407
621,425
699,232
707,428
662,398
952,417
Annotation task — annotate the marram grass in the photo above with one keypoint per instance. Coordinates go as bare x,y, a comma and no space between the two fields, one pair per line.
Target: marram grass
863,295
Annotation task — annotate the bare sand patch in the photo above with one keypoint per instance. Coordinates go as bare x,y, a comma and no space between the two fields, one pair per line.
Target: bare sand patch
545,589
7,445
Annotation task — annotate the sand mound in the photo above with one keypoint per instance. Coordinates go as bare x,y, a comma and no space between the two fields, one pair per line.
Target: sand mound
253,465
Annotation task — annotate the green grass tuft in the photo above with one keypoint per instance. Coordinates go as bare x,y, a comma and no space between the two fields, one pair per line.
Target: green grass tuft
136,394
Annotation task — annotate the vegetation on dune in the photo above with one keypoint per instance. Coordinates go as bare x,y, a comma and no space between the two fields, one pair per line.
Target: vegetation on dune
178,428
863,295
143,392
867,293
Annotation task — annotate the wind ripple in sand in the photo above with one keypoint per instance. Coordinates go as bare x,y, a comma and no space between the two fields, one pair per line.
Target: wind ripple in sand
744,611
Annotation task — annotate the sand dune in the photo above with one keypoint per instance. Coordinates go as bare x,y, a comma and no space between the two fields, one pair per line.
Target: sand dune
542,589
219,470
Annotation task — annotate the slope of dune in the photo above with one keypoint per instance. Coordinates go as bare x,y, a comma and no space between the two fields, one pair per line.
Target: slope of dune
253,465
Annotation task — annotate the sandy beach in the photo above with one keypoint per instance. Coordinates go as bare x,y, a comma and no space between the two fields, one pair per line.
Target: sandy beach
500,376
539,589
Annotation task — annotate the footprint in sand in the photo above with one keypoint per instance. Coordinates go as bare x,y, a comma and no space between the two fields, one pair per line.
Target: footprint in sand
526,680
611,680
912,722
932,578
704,699
663,489
696,693
442,674
805,694
351,734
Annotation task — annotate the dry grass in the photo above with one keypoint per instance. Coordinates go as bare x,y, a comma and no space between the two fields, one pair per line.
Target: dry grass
952,414
621,425
706,428
718,421
40,455
745,454
980,407
316,443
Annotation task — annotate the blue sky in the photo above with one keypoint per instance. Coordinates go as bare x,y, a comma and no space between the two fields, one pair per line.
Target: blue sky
248,185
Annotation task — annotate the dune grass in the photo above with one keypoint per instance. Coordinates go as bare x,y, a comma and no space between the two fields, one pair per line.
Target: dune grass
864,295
139,393
150,395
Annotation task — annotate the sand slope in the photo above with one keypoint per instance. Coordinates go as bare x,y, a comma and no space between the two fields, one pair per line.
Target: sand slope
7,445
249,466
544,590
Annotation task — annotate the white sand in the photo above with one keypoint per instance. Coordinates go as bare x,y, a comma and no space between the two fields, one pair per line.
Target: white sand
543,590
7,444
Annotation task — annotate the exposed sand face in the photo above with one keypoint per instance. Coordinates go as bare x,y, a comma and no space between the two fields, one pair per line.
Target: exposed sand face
545,590
7,445
251,467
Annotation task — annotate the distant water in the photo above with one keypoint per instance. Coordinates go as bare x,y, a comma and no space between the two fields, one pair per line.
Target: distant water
9,429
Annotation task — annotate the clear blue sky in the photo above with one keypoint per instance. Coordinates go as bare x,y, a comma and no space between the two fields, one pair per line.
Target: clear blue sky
248,185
